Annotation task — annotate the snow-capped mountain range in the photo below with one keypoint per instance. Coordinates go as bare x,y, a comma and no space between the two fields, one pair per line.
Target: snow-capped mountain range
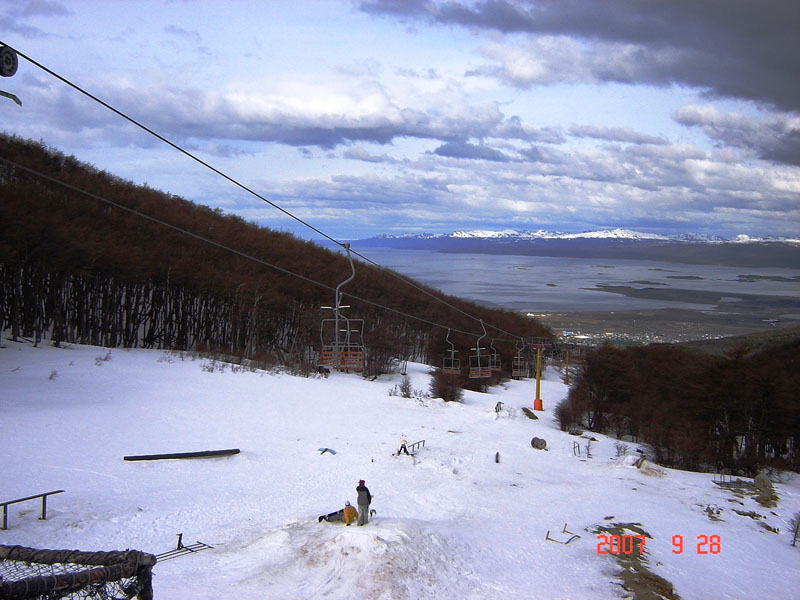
693,248
604,234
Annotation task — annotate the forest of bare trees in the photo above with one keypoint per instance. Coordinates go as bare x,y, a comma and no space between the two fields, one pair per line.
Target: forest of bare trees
74,268
739,412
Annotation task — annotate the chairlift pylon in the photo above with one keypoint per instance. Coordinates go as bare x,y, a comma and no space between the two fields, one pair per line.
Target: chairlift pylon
343,347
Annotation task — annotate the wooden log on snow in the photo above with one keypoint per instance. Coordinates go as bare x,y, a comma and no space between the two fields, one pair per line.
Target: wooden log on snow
202,454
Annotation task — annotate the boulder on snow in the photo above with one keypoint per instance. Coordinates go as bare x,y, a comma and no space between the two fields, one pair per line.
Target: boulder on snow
538,443
762,483
766,495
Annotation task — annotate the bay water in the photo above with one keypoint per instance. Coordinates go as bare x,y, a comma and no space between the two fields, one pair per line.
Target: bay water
538,284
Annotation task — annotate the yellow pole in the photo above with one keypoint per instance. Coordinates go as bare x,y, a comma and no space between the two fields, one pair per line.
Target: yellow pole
537,403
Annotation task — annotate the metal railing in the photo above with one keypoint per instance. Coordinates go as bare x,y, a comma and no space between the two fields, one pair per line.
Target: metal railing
44,505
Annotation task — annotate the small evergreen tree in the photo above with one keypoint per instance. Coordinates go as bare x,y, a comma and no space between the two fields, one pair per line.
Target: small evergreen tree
406,390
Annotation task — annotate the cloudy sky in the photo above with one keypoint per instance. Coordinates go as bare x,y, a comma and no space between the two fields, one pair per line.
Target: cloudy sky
385,116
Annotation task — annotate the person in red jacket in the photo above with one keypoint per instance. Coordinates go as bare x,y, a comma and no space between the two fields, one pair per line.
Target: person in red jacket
364,500
350,514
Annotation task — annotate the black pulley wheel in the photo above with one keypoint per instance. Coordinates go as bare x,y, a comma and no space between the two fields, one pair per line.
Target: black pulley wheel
8,61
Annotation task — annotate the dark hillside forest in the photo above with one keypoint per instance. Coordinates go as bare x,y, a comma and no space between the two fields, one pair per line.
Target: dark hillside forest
739,412
77,269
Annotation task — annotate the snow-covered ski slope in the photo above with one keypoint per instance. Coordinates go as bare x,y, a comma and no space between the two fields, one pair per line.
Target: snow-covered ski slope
451,522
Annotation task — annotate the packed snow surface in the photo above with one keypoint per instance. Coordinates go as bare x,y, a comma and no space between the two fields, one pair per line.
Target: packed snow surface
451,521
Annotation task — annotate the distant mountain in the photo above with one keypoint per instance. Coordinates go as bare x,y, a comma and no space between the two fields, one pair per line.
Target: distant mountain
693,248
604,234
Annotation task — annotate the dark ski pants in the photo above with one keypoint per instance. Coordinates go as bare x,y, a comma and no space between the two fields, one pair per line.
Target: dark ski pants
363,514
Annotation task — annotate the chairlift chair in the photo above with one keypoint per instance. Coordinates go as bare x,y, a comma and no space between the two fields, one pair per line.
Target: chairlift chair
451,364
352,355
479,367
494,359
345,351
519,367
342,339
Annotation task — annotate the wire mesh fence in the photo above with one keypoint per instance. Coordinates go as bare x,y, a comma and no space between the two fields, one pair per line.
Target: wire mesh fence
29,573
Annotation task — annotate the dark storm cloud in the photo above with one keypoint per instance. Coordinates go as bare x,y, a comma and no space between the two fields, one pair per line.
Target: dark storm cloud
775,138
734,48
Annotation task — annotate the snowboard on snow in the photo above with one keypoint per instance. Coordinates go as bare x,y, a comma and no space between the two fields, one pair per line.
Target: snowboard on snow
334,517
